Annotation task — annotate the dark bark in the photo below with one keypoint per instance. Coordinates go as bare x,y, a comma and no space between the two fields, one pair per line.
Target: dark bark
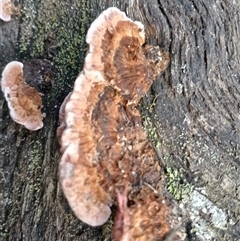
192,115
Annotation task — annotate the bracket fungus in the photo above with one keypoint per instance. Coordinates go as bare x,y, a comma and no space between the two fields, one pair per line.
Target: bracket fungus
105,151
24,101
6,10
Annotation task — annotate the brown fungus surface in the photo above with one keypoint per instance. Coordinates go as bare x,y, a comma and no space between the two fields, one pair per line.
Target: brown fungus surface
144,219
105,151
7,9
24,101
62,126
5,15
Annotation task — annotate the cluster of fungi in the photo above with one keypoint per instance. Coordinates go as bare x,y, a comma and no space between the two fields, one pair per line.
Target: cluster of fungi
106,157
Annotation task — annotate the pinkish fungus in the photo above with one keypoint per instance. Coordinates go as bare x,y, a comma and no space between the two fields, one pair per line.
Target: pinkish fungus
104,148
7,9
24,102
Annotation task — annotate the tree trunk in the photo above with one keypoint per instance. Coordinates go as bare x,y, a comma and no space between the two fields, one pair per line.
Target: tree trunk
191,113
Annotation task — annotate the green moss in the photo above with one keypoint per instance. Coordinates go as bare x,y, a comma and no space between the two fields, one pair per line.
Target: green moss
26,184
34,169
150,129
175,186
58,26
174,177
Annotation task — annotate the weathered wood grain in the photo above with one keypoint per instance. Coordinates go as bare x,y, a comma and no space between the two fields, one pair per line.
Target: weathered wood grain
192,114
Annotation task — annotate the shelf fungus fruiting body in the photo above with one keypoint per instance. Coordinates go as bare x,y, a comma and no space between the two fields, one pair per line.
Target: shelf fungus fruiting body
105,152
4,14
24,101
7,8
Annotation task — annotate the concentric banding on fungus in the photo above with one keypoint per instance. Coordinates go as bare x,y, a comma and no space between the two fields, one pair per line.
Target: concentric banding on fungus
103,146
24,101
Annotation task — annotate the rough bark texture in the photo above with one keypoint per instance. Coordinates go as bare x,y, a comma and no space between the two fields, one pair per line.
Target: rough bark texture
192,115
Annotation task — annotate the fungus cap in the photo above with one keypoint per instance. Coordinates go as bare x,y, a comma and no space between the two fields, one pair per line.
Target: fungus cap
24,102
89,202
115,50
4,14
100,126
12,75
62,124
85,209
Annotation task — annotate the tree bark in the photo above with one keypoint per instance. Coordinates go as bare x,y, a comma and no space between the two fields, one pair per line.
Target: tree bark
191,113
